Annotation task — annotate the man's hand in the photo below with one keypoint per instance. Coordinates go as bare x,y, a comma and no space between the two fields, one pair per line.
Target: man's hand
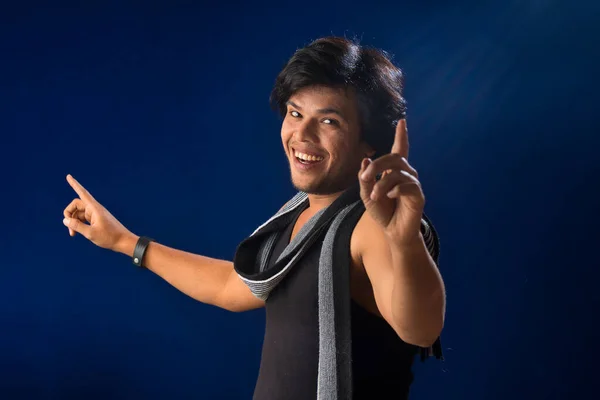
104,230
396,201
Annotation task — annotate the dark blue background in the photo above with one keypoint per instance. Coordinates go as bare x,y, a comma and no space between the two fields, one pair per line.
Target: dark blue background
161,111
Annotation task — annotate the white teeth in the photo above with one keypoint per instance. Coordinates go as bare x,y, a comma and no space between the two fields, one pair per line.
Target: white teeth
307,157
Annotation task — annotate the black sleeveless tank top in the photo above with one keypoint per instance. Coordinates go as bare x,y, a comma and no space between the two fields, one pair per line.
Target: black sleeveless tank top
381,361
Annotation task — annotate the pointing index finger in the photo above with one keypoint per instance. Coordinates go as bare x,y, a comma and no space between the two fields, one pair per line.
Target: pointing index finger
80,190
401,139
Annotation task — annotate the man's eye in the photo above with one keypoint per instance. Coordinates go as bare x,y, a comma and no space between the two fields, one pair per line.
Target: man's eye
295,114
330,121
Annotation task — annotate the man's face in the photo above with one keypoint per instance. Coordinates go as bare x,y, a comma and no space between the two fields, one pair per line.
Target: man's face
320,135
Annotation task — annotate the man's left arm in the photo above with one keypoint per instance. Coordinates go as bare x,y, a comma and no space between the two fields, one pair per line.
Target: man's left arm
407,285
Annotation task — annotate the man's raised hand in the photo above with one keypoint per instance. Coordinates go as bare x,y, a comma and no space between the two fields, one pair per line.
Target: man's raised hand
396,201
84,215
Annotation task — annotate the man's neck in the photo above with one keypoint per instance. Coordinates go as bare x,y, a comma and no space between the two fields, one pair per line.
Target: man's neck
317,202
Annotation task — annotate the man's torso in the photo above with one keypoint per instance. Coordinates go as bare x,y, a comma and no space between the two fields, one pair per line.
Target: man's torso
290,350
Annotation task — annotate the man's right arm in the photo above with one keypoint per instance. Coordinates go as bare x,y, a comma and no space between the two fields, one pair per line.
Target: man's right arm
208,280
205,279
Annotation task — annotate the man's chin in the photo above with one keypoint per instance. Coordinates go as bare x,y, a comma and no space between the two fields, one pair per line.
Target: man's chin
321,188
308,187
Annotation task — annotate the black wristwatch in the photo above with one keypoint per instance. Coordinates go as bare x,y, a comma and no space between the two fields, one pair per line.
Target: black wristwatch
140,250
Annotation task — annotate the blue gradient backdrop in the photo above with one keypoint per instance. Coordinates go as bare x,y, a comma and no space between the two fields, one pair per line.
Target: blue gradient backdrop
161,111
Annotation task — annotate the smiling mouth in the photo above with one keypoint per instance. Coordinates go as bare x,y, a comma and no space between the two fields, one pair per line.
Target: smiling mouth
307,159
308,162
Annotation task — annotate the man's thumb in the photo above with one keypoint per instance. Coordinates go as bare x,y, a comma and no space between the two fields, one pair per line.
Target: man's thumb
77,226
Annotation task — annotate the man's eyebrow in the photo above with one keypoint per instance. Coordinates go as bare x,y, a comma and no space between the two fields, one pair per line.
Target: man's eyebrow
331,111
328,110
291,103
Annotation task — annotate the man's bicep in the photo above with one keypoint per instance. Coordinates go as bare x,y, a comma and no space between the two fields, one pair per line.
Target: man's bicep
236,295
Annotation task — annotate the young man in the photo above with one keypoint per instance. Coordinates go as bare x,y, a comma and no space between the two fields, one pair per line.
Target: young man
347,268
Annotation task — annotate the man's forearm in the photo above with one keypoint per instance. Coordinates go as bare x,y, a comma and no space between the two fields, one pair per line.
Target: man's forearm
208,280
418,296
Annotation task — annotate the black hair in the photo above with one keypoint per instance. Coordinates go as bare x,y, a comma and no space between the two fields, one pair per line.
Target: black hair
341,62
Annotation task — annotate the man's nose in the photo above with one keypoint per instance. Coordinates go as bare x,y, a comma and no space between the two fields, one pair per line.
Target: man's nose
306,131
